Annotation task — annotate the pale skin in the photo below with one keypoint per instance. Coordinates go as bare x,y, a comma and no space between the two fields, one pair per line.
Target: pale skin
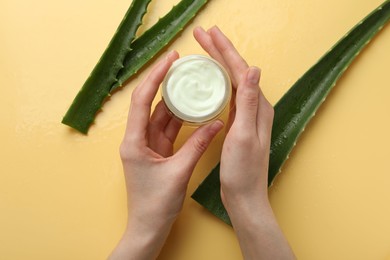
157,179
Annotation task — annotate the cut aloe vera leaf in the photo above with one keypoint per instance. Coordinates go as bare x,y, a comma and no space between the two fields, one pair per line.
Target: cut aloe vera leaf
96,88
157,37
110,75
295,109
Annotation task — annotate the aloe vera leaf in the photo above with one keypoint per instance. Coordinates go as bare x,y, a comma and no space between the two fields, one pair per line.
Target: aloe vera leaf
159,35
96,88
295,109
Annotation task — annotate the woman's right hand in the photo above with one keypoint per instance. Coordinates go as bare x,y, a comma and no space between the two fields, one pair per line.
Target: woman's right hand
245,155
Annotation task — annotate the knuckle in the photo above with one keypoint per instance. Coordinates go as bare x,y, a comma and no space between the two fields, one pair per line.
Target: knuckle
250,96
242,138
126,151
200,145
135,96
264,144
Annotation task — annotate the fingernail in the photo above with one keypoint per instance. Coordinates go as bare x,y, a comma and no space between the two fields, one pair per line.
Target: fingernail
170,54
198,28
215,27
253,75
217,125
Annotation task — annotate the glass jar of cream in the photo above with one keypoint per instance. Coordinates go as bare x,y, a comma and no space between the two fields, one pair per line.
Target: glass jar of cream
196,89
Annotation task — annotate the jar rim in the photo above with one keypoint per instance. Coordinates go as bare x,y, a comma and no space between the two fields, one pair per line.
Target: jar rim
197,120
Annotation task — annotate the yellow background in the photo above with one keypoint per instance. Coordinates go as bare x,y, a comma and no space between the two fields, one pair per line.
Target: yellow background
62,194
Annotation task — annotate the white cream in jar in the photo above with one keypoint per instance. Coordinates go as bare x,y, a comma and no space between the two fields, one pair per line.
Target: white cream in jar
196,89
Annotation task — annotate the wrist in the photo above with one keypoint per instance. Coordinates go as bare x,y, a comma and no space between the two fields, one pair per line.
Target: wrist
257,229
244,200
149,226
142,239
247,206
250,212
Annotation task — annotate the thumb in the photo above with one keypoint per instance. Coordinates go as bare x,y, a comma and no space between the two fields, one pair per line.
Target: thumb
190,153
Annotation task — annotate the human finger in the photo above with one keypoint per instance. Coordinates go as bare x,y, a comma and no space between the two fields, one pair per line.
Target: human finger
163,122
172,129
265,116
143,96
232,112
234,62
247,101
206,42
190,153
160,117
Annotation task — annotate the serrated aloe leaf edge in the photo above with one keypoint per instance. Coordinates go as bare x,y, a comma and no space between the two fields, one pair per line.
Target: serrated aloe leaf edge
157,37
96,88
295,109
124,57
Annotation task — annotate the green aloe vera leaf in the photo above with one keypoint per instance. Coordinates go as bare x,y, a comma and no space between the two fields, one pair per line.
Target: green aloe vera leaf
96,88
90,98
157,37
295,109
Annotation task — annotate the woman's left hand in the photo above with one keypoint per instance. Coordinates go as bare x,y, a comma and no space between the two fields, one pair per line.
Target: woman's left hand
156,179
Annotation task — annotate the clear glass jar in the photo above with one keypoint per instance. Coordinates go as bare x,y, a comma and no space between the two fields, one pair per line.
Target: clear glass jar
196,89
